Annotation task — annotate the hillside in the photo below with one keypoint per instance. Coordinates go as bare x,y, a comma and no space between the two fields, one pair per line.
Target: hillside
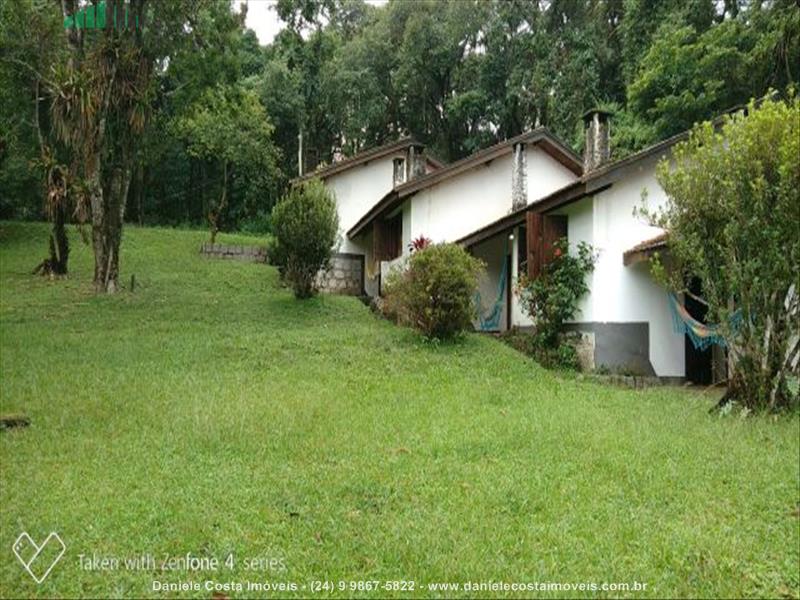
210,413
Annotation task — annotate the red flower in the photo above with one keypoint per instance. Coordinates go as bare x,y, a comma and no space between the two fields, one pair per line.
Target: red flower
419,243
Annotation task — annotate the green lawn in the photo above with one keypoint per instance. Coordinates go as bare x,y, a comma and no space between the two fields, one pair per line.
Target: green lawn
210,413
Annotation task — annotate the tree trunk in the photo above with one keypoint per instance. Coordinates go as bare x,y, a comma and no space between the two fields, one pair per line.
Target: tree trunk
108,211
55,265
59,243
215,213
56,194
138,191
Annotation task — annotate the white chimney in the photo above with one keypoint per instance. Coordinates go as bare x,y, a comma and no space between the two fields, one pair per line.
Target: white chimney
597,148
519,177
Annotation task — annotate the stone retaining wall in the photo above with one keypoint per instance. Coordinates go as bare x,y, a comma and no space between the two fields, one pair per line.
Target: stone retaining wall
345,275
235,252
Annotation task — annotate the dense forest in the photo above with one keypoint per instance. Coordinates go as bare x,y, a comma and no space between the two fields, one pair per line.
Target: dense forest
218,120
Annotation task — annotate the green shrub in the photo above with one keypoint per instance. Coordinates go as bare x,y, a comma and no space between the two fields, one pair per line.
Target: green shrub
435,293
259,224
305,224
552,298
732,216
563,355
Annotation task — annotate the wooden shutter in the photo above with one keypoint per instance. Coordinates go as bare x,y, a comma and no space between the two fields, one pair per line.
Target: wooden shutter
533,235
387,238
542,231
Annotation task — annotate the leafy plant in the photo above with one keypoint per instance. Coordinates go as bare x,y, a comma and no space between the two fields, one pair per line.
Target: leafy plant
563,355
552,298
305,224
435,292
419,243
732,217
229,125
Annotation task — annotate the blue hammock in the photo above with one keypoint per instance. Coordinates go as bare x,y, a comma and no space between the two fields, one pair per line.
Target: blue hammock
491,321
701,335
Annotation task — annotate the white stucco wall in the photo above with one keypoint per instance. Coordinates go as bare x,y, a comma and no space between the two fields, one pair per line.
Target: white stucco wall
580,228
363,245
545,174
518,316
407,226
629,294
620,294
356,191
458,206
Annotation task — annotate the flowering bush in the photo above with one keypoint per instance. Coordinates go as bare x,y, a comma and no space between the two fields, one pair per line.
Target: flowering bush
552,298
419,243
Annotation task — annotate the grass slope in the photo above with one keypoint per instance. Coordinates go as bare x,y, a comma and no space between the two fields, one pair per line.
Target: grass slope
210,413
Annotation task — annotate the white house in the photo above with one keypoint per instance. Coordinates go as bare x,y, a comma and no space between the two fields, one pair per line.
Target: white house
626,317
507,204
450,202
357,184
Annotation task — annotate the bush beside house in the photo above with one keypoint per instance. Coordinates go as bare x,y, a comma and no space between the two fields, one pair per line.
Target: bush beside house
733,219
435,292
551,300
305,224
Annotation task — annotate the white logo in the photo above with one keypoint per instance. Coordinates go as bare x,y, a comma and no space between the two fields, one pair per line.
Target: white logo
37,563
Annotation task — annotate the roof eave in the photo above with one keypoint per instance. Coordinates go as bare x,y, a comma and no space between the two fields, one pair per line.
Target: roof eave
383,204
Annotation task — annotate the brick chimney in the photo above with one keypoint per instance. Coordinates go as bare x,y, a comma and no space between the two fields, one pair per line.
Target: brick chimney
597,149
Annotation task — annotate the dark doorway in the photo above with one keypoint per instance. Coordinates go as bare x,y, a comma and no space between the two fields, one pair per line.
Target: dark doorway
509,291
698,362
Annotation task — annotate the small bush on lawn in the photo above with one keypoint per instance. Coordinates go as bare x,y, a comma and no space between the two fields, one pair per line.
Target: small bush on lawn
305,224
435,293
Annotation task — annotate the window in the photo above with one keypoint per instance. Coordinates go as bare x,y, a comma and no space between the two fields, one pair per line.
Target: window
399,170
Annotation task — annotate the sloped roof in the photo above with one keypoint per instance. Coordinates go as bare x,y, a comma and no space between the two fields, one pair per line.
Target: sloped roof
644,249
365,157
541,137
591,183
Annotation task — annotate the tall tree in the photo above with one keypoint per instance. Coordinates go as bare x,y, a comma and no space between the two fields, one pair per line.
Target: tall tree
38,161
102,94
230,127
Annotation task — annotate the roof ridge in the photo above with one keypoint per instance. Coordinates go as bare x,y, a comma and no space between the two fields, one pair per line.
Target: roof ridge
540,132
358,157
